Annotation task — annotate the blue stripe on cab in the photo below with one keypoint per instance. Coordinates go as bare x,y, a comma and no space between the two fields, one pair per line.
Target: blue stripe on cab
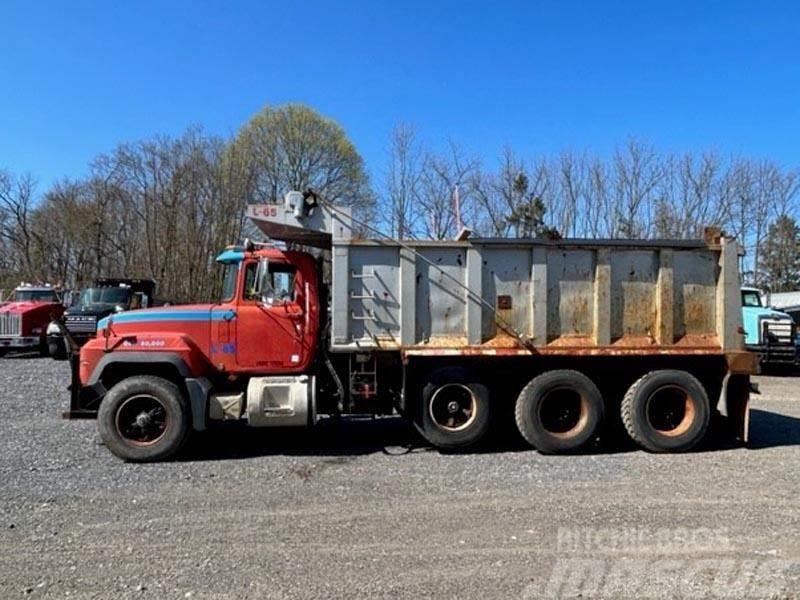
144,316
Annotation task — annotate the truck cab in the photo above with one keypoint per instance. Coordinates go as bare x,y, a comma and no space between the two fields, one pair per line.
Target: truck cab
249,355
24,319
105,296
770,333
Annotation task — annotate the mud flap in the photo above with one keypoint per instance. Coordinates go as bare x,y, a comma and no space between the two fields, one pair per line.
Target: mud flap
198,389
734,404
83,402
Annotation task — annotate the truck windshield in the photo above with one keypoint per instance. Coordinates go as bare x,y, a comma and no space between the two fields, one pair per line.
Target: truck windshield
104,295
751,298
35,296
229,281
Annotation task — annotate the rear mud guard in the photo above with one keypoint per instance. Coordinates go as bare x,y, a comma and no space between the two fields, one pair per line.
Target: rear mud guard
734,403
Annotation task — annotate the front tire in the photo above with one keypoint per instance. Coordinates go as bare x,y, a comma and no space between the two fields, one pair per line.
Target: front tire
57,348
455,410
559,411
666,411
143,419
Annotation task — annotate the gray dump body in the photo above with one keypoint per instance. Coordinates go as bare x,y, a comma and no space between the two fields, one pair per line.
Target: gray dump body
492,296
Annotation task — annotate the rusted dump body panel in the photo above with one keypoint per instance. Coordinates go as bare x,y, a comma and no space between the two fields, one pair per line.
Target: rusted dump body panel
522,297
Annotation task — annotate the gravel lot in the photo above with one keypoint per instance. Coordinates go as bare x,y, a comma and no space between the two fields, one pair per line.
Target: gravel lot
363,509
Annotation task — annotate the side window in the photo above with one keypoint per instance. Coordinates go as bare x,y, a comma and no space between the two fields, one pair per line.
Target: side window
250,282
229,282
751,299
282,280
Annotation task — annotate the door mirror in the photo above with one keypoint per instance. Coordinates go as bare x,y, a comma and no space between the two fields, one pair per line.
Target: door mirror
139,300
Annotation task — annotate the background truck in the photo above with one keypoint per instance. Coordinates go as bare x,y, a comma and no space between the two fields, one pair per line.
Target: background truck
105,296
770,333
24,319
787,302
552,337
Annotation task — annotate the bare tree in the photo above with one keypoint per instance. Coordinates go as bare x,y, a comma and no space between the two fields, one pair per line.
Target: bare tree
441,174
402,183
637,172
16,208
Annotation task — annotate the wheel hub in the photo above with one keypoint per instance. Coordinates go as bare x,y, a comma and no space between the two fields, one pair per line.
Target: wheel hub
453,407
671,410
563,412
141,420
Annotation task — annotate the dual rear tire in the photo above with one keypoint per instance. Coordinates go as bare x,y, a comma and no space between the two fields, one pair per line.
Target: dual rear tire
666,411
455,410
562,411
559,411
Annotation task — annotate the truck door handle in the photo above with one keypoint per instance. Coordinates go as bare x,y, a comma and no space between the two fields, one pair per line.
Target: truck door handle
229,315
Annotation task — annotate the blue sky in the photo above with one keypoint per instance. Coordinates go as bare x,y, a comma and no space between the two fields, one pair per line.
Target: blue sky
77,78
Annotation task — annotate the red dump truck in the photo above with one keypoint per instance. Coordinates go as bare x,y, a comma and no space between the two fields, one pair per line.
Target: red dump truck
554,336
24,320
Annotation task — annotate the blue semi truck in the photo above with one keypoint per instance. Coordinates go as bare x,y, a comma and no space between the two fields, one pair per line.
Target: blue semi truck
770,333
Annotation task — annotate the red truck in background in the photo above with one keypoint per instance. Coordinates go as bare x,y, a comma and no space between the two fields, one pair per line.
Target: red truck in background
550,335
24,320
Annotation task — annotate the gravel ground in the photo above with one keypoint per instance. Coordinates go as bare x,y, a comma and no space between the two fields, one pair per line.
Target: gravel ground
364,509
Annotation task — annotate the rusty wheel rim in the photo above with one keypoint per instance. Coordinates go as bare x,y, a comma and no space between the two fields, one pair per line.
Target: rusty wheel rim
563,412
670,410
453,407
142,420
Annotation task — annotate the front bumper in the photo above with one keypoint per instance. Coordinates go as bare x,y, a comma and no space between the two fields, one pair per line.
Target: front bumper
783,354
17,342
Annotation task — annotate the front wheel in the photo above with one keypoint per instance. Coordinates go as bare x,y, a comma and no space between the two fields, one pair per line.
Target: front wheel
143,419
57,347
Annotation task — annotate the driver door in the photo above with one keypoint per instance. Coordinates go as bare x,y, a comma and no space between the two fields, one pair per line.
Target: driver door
271,320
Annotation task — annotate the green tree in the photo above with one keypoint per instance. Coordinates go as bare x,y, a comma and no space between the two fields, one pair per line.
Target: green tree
292,147
780,259
527,215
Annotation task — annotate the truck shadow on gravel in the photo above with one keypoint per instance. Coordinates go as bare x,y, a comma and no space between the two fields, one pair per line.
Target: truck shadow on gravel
769,430
354,436
330,437
26,355
346,436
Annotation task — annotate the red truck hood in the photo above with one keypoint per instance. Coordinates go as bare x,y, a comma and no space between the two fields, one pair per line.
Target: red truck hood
152,318
27,306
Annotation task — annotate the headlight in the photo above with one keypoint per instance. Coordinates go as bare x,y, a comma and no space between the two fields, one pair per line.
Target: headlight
52,329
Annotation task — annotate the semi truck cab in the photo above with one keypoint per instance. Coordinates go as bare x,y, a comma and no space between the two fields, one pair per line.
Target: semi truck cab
23,321
105,296
768,332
